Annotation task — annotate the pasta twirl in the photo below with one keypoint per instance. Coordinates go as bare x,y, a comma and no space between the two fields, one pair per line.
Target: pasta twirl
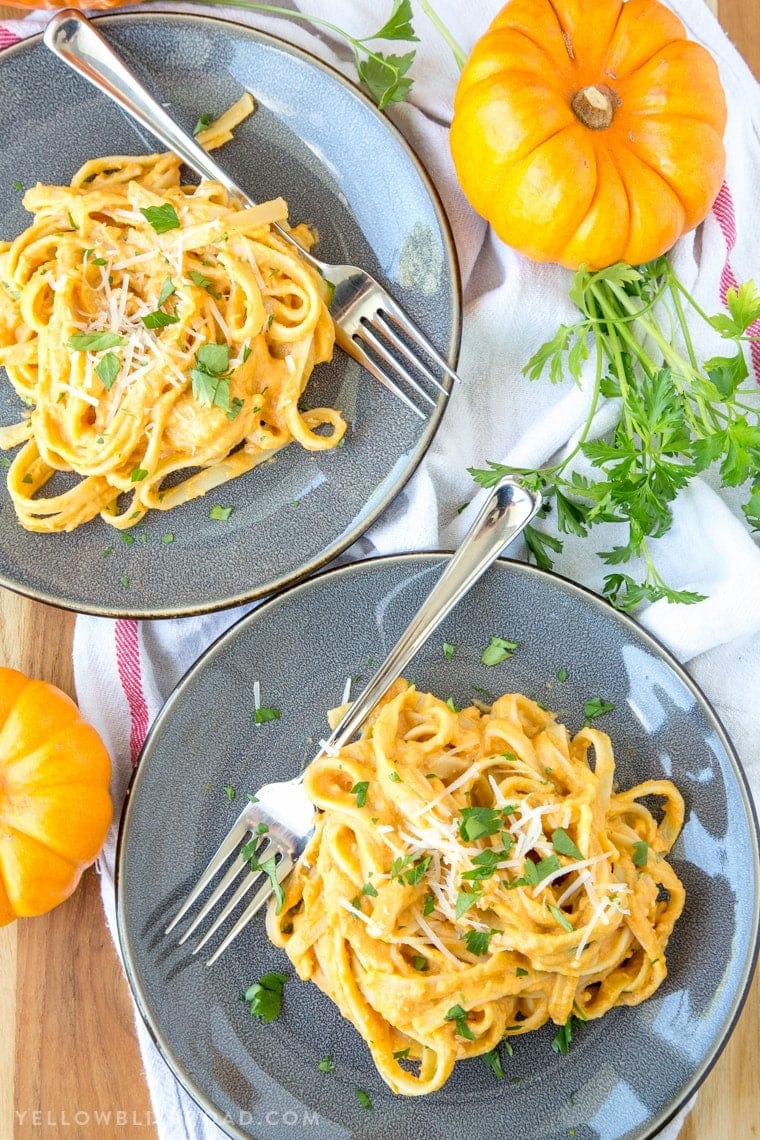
162,336
474,875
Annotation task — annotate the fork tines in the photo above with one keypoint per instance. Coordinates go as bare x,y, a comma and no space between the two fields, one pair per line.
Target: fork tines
247,859
393,349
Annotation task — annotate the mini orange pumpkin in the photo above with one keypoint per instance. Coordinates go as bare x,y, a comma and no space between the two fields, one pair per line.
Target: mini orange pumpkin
55,808
589,131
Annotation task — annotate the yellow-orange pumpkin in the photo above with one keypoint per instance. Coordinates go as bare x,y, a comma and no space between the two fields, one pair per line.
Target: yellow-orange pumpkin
55,807
589,131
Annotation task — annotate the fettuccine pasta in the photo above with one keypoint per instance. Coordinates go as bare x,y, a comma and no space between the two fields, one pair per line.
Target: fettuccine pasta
474,875
161,335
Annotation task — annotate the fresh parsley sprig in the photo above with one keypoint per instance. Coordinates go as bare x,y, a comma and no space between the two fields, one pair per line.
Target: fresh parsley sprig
384,75
677,416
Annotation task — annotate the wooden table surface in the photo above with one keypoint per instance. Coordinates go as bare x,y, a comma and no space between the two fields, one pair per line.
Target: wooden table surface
69,1064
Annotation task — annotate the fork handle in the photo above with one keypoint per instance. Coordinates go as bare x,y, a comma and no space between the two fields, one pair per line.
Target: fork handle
76,41
506,512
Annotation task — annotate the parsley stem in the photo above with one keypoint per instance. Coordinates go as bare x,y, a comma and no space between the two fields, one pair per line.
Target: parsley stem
460,55
359,46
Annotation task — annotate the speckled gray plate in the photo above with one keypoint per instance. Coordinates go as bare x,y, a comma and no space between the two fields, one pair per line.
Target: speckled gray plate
625,1075
315,139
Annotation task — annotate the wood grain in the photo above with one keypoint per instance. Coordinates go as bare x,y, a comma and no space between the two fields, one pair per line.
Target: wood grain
69,1064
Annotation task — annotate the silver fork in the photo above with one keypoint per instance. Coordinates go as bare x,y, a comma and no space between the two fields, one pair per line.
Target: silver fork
273,829
367,319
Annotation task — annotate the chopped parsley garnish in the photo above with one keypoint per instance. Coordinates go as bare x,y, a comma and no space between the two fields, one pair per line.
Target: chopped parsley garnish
448,650
204,121
230,792
419,963
167,290
161,218
481,821
484,865
264,998
363,1098
107,369
561,918
562,675
368,889
326,1065
459,1017
429,904
493,1060
138,474
640,853
211,376
402,1054
360,791
95,341
202,282
534,873
466,899
564,1035
158,319
409,870
265,713
498,650
220,514
269,868
594,707
477,941
564,845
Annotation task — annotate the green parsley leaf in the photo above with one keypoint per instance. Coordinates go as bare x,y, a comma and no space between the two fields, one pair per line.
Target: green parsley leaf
459,1017
230,792
399,24
265,714
220,514
429,904
107,369
385,77
640,853
161,218
167,290
158,319
360,791
95,342
465,899
448,650
268,867
363,1099
138,474
564,845
561,918
264,997
480,821
564,1035
594,707
477,941
204,121
498,650
326,1065
493,1060
202,282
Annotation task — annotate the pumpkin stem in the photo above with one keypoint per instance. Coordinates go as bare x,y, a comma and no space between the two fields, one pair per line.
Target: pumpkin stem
595,106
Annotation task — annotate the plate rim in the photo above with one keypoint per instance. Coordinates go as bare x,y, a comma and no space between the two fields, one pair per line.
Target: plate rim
653,1126
338,547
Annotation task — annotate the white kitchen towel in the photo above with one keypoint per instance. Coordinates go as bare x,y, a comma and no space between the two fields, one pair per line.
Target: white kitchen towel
125,669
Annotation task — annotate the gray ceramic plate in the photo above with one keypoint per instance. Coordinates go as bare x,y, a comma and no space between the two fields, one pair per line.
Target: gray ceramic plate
626,1074
341,165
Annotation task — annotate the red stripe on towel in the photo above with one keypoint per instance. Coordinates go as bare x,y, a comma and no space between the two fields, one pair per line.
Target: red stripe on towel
130,675
723,208
7,38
